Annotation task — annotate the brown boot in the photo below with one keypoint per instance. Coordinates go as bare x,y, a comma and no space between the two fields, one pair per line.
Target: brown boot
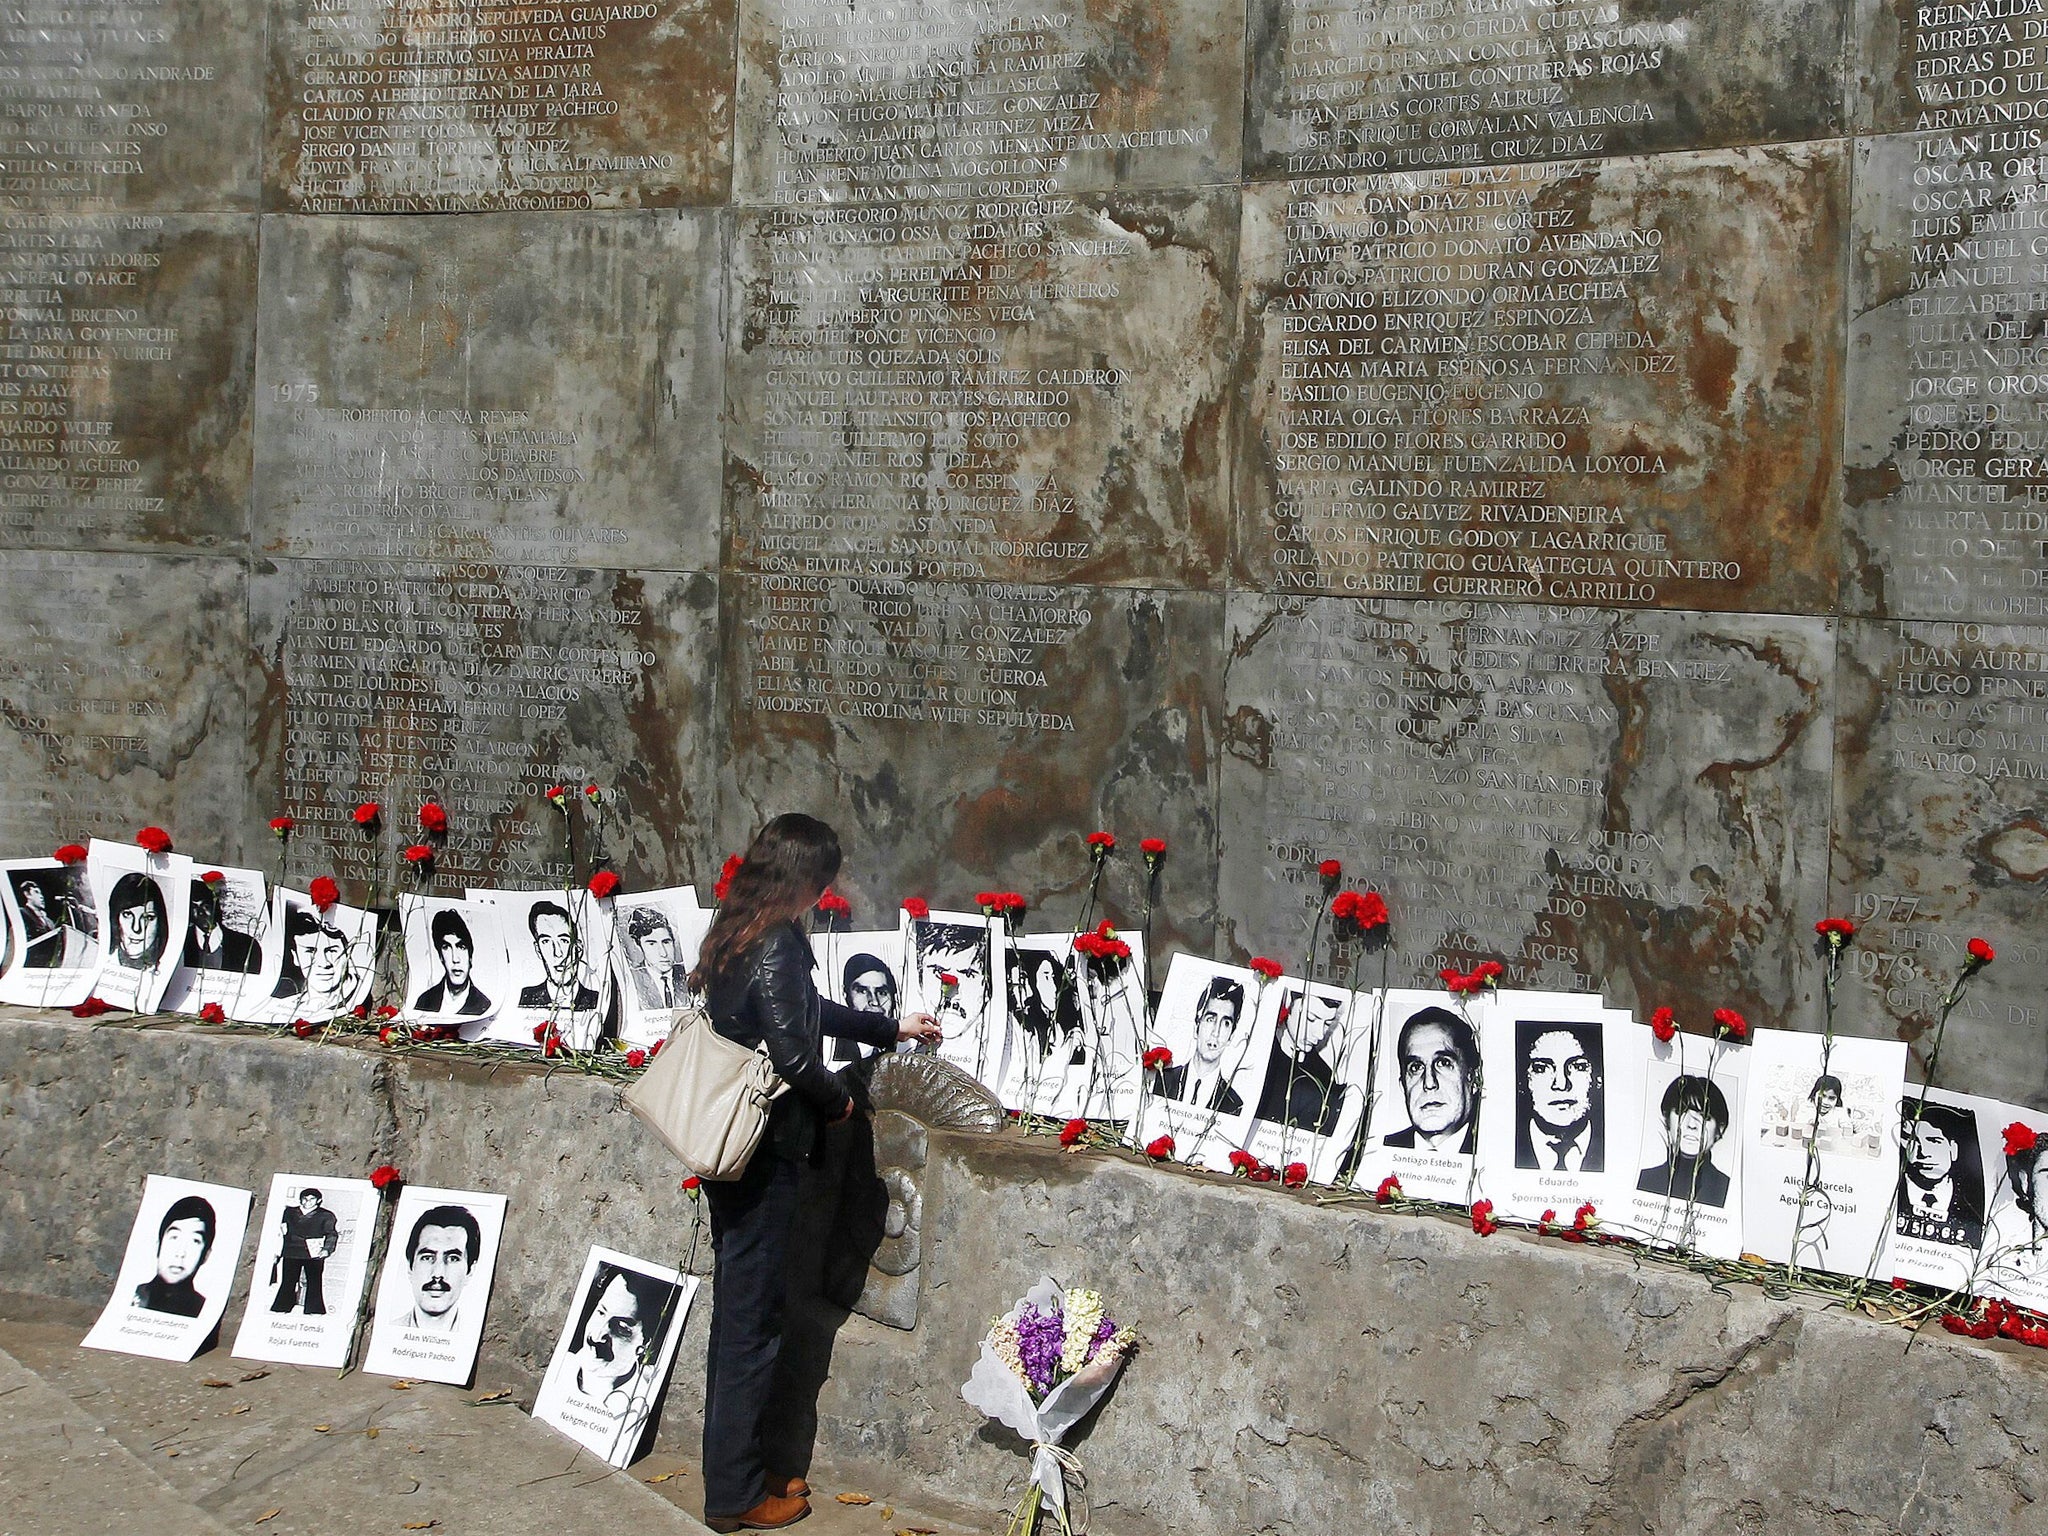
771,1514
791,1487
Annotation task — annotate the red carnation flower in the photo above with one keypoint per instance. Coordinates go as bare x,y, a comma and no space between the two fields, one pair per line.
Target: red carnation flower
154,840
385,1177
1664,1024
1153,847
557,796
1955,1322
985,900
832,904
1270,969
1158,1056
1159,1149
324,891
417,854
70,853
433,817
360,1011
1389,1190
1072,1132
282,825
603,883
1546,1221
384,1035
1344,906
592,793
91,1008
1981,952
1242,1161
691,1185
1372,911
386,1011
1010,902
1736,1026
1294,1175
918,908
948,981
1331,870
2019,1138
213,1013
636,1057
725,874
212,877
367,814
1489,971
304,1028
654,1050
1482,1219
1261,1173
1836,930
1104,843
1582,1218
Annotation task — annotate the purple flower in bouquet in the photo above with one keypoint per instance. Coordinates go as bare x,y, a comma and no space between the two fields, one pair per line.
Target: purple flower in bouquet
1041,1339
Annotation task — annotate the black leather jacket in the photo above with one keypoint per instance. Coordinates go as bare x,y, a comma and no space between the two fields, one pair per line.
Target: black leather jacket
768,997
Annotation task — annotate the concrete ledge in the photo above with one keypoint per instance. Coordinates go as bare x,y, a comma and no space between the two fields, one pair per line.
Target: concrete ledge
1304,1365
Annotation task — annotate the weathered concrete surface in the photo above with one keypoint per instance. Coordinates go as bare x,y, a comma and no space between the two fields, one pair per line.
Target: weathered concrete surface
1302,1364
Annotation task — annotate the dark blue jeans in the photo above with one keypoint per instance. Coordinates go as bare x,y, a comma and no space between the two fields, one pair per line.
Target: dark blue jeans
751,1217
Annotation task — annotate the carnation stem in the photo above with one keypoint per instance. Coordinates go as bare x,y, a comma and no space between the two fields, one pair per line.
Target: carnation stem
1810,1181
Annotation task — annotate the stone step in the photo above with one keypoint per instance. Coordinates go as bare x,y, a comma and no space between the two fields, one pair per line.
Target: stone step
98,1441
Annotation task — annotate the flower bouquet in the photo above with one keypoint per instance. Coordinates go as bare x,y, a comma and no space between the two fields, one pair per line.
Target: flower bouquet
1043,1365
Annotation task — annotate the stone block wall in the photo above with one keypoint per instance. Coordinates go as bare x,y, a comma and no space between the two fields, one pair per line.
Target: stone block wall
1581,464
1303,1367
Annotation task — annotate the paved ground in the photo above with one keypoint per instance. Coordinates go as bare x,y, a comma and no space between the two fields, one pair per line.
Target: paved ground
93,1442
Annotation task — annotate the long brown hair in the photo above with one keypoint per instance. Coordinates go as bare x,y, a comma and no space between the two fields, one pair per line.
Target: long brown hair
793,858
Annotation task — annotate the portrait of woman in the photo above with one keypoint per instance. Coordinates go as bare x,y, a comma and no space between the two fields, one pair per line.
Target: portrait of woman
1043,1004
139,926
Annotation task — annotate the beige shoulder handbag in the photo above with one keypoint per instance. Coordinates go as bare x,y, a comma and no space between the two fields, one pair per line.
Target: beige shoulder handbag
707,1097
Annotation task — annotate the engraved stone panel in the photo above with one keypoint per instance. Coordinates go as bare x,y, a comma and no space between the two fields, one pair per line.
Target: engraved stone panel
499,388
1946,491
131,104
478,105
1965,66
1942,758
125,379
1628,801
480,686
123,701
1035,389
1577,382
967,737
885,100
1391,85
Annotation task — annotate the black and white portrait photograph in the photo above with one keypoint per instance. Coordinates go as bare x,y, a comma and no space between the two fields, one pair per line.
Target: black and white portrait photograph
1210,1018
2014,1258
142,911
1685,1176
560,946
312,1258
322,962
971,1007
607,1376
178,1270
1941,1174
1307,1096
54,924
1427,1085
1841,1102
457,971
436,1284
1559,1121
227,919
863,970
658,935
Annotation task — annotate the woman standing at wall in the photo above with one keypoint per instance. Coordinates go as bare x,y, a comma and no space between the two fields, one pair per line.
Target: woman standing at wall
755,969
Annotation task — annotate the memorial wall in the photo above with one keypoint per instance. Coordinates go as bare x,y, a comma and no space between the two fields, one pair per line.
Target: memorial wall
1582,464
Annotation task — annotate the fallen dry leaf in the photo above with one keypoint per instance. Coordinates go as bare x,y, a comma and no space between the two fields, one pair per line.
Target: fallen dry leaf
417,1450
493,1397
238,1408
662,1477
254,1375
211,1382
419,1525
268,1514
372,1432
401,1386
888,1514
918,1530
855,1498
321,1429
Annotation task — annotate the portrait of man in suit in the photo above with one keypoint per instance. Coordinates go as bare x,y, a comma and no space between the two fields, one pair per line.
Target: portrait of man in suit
1438,1058
1204,1081
555,944
212,943
1560,1098
456,992
1941,1177
660,979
